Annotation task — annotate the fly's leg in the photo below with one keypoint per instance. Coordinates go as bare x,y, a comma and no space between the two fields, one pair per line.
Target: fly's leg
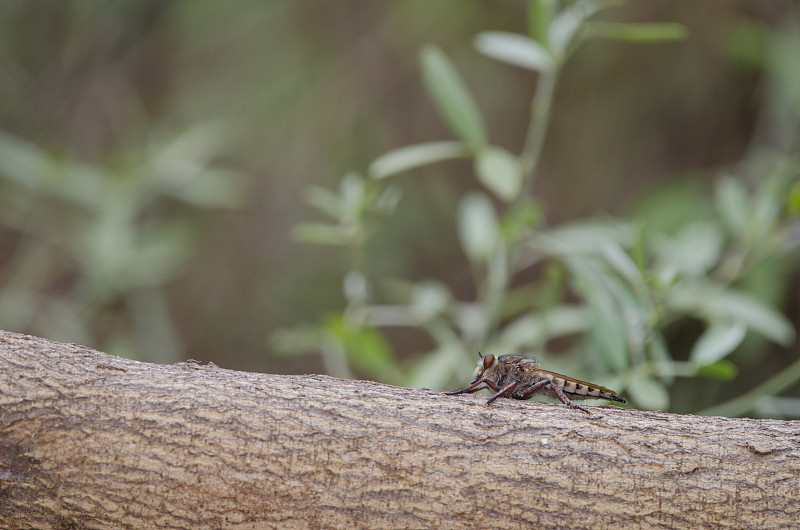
532,390
535,388
475,386
502,392
566,400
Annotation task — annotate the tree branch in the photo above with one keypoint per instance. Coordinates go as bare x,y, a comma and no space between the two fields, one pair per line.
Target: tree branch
90,440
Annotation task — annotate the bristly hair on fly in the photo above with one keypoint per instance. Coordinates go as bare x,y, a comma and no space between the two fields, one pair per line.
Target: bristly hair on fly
517,377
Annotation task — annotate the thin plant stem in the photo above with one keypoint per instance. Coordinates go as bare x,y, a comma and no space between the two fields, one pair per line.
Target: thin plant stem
494,295
541,106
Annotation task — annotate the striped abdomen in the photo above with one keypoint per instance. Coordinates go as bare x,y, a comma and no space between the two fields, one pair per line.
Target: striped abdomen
577,389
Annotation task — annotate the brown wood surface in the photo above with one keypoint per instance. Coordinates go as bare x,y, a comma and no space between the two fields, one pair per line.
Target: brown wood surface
90,440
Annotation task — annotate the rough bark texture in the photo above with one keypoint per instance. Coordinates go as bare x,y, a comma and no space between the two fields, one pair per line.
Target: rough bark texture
89,440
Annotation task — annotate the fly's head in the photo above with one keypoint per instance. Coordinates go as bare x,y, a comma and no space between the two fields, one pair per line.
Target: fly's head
488,368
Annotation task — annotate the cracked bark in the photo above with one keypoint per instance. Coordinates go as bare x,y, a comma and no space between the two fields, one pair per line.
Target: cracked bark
90,440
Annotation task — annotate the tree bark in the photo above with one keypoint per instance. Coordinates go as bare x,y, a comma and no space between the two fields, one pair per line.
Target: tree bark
90,440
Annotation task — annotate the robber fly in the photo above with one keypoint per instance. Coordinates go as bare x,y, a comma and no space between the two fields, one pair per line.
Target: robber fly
516,377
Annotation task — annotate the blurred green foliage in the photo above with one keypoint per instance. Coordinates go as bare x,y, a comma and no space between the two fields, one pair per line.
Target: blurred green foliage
612,288
101,235
154,157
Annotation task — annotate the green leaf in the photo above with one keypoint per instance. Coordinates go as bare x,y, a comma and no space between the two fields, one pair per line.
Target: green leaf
756,315
733,204
478,229
355,288
768,279
723,370
25,162
778,407
649,32
593,239
693,251
717,342
586,238
784,47
659,353
657,347
608,331
320,234
387,200
620,311
566,24
428,300
534,328
553,286
366,348
515,49
564,27
453,101
110,244
435,369
183,167
208,187
352,191
713,302
28,165
745,41
296,340
518,222
769,200
659,214
649,393
324,200
159,254
413,156
793,200
500,171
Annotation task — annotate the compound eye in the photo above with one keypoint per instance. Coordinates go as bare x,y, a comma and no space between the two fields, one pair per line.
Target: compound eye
488,361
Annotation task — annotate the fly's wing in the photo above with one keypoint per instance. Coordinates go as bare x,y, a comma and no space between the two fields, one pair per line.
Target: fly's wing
526,362
577,389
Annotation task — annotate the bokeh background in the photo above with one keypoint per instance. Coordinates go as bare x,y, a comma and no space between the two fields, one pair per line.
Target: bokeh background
154,156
